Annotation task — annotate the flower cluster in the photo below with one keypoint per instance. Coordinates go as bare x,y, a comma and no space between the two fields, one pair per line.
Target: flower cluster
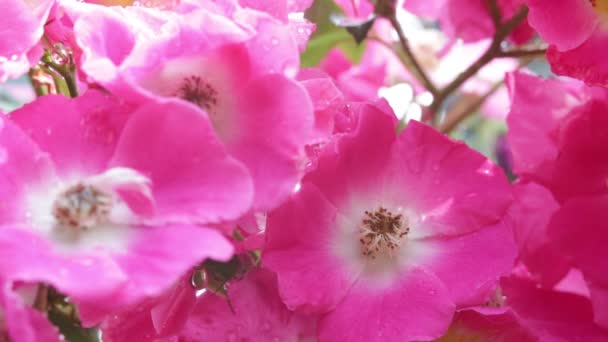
241,170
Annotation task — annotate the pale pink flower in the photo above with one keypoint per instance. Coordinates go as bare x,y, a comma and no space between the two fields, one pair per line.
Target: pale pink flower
262,117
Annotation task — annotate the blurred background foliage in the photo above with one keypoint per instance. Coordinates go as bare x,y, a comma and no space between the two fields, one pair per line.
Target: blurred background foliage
328,35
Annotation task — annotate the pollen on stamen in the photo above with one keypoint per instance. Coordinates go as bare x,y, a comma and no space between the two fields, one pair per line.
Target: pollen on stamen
382,233
195,90
82,206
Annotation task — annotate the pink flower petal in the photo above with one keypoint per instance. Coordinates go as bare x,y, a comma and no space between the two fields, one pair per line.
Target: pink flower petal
106,40
484,325
22,162
535,115
580,230
259,315
472,264
24,323
417,307
599,300
29,258
272,125
303,245
545,17
585,62
455,189
552,316
157,255
79,134
530,214
582,156
192,176
20,30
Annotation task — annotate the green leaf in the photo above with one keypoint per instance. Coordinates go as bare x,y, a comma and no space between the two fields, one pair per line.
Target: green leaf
328,35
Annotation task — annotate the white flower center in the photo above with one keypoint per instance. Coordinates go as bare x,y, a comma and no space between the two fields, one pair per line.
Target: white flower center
82,206
85,213
95,201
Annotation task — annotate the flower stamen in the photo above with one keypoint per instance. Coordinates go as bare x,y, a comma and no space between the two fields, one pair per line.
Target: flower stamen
195,90
82,206
382,233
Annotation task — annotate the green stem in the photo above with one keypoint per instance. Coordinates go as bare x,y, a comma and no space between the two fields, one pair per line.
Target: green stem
66,71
